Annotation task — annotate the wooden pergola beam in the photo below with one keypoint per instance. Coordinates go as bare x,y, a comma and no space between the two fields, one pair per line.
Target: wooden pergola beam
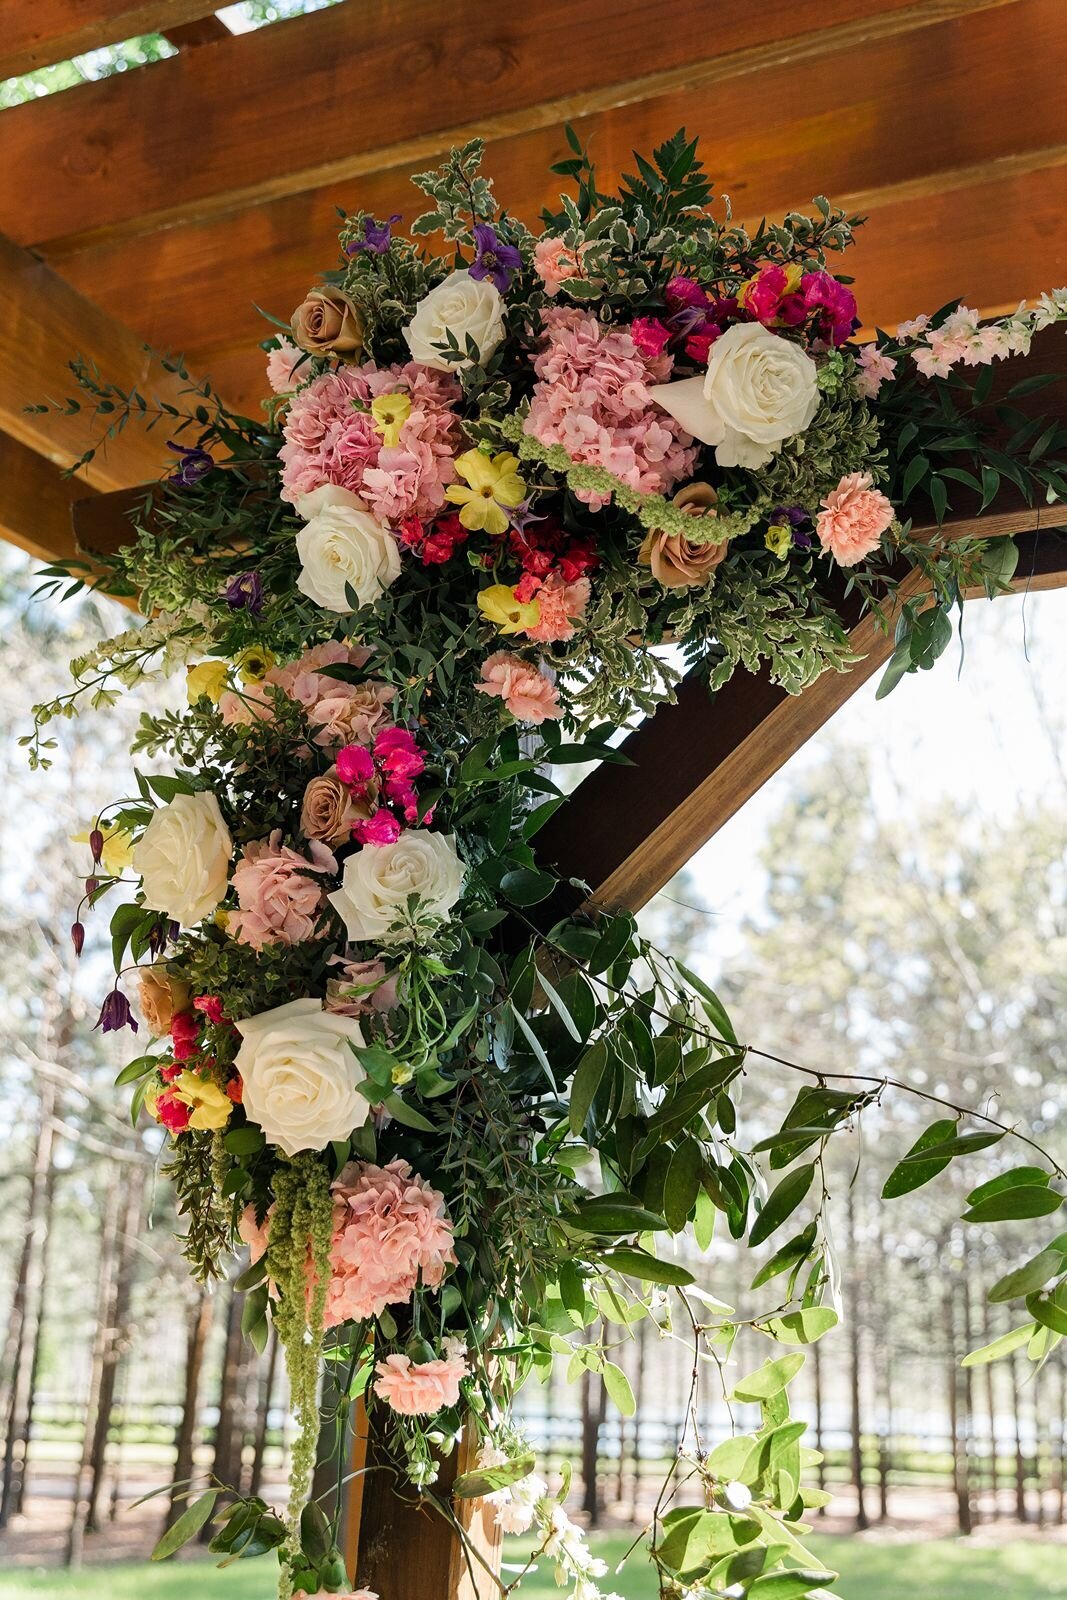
35,508
42,32
419,86
43,323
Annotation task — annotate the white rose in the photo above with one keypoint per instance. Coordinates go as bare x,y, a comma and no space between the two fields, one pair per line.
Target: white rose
343,546
379,879
183,858
460,305
759,390
299,1076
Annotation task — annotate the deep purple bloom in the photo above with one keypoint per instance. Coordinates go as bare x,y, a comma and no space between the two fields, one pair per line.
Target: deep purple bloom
115,1013
244,592
376,236
492,259
195,464
77,937
791,514
96,844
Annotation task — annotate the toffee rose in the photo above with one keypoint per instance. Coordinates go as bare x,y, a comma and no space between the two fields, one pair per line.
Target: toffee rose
678,562
326,323
329,811
162,998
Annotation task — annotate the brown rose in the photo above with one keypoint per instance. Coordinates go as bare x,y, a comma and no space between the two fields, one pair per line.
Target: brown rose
162,997
326,323
329,810
676,561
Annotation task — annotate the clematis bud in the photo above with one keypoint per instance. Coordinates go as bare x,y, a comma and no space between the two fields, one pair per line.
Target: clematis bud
96,844
77,938
92,885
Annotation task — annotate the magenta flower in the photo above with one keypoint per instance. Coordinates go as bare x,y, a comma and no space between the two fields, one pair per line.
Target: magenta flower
494,260
397,754
650,335
355,765
832,303
382,828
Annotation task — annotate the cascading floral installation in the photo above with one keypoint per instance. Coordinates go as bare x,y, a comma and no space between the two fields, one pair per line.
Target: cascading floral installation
453,1121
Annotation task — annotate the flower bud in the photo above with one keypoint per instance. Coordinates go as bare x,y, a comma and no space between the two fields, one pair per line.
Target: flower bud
96,844
77,938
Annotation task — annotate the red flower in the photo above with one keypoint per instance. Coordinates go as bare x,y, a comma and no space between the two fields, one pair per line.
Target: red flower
236,1089
184,1036
210,1006
172,1113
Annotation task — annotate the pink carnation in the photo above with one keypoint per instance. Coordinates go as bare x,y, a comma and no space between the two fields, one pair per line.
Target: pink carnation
528,692
592,397
562,604
390,1231
854,517
282,364
281,901
555,262
354,1594
419,1389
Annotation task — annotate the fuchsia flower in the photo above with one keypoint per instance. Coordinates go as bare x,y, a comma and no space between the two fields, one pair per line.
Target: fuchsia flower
396,753
772,296
277,889
650,335
833,305
419,1389
184,1036
853,519
527,691
382,828
355,765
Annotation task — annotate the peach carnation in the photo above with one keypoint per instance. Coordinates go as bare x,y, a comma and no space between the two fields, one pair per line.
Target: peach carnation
561,605
390,1230
555,262
853,519
280,900
528,692
419,1389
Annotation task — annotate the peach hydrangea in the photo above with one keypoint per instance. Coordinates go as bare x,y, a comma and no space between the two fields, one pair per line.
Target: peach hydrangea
527,691
853,519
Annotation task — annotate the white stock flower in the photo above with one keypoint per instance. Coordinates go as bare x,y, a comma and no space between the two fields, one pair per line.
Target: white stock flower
379,880
299,1076
758,391
183,858
461,306
342,547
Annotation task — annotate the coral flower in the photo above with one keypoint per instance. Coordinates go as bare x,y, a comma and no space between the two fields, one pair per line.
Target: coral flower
416,1390
527,691
853,519
494,488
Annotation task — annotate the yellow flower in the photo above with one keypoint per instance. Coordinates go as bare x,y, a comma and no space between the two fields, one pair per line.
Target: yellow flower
207,678
494,484
779,539
253,663
211,1108
498,604
390,412
117,852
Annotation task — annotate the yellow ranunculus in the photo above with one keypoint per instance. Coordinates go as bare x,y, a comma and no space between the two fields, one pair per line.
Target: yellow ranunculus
253,663
492,487
779,539
210,1107
390,412
206,679
499,605
118,848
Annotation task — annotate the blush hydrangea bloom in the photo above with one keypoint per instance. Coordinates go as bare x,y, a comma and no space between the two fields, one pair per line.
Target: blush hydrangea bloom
280,900
592,397
331,437
390,1229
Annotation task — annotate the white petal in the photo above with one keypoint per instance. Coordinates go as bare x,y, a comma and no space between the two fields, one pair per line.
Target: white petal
685,402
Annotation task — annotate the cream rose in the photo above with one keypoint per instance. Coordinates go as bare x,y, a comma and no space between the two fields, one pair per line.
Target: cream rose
183,858
379,880
758,391
461,306
342,546
299,1076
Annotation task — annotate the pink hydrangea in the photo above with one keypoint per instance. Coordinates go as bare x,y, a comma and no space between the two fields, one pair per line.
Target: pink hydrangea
592,397
853,519
419,1389
360,987
527,691
281,902
390,1231
331,437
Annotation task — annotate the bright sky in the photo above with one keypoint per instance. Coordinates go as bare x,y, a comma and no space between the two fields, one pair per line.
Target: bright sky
972,740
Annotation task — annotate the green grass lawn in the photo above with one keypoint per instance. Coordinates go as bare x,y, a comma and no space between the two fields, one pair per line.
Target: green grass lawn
940,1569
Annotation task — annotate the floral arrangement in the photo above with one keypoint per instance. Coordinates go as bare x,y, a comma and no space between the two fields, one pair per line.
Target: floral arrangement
454,1129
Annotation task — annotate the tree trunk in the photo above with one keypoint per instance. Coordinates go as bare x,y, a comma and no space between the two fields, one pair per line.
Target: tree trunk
639,1400
820,1470
594,1411
965,1377
21,1354
229,1433
960,1484
991,1410
855,1376
1020,1459
109,1228
266,1394
187,1432
117,1341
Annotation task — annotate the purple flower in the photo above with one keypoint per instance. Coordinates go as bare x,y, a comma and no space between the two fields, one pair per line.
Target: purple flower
522,517
794,515
376,236
195,464
492,259
77,937
244,592
115,1013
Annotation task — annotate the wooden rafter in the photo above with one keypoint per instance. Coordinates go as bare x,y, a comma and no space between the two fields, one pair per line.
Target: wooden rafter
930,181
41,32
273,110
